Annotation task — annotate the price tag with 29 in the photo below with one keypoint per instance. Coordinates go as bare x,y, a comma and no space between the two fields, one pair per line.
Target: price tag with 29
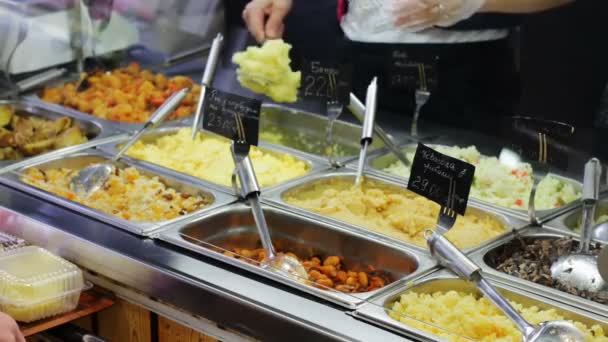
432,173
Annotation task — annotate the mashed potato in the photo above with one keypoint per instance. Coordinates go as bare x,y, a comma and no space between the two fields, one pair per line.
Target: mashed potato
210,158
479,319
388,210
499,184
126,194
265,70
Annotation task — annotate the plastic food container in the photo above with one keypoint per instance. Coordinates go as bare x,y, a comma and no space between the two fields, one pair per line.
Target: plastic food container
36,284
9,242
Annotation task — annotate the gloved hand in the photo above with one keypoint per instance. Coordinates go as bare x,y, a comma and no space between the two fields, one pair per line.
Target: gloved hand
421,14
9,330
264,18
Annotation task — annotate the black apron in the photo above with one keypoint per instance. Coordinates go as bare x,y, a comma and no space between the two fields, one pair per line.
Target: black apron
477,82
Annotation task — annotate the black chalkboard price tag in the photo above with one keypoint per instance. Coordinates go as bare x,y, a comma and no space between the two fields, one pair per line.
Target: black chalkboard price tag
232,116
432,173
539,140
409,70
326,81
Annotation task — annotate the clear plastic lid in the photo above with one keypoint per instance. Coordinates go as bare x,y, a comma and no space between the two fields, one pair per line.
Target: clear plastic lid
31,274
9,242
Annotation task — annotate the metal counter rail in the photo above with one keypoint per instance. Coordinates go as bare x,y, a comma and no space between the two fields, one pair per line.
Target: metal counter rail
230,297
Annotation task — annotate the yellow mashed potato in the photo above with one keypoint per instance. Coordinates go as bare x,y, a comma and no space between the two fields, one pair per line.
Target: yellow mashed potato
388,210
210,158
265,70
455,315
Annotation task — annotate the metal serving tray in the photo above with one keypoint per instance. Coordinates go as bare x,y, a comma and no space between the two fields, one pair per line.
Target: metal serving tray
480,256
123,126
569,221
305,132
376,311
234,226
93,129
381,160
276,197
82,159
152,136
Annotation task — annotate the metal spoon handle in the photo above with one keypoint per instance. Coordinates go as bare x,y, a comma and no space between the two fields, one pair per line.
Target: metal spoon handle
207,80
358,110
367,133
500,301
158,116
250,189
41,78
260,222
590,194
451,257
361,164
532,205
587,217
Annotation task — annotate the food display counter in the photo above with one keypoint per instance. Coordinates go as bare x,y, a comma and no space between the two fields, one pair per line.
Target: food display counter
168,231
203,267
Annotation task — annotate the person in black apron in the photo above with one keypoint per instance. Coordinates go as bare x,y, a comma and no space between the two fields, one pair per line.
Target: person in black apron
458,49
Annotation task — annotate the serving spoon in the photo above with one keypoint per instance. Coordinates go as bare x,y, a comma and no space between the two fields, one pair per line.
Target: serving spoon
250,190
580,269
92,177
450,256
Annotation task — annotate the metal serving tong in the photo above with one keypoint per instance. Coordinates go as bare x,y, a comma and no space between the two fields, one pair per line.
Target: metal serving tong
92,177
250,190
451,257
207,80
580,270
358,110
368,127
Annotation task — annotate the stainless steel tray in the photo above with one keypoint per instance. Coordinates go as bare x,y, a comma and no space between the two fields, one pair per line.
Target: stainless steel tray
152,136
383,159
93,129
276,197
376,311
305,132
569,221
79,160
233,226
479,257
123,126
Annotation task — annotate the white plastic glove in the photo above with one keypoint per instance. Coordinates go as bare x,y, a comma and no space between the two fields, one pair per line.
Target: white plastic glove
417,15
264,18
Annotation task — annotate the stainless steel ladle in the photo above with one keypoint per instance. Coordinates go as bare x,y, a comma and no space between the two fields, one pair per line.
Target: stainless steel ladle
250,190
450,256
580,270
